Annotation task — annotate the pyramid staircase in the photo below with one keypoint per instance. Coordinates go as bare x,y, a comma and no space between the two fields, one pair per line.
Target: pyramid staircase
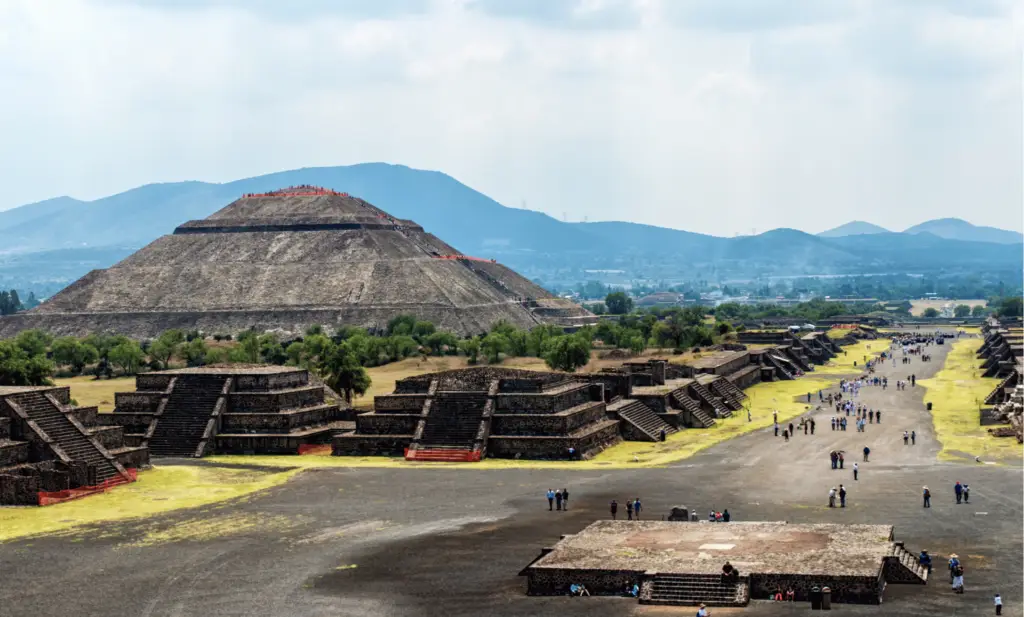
1003,385
693,407
913,572
695,589
181,430
730,387
451,428
705,395
728,397
779,366
68,436
642,418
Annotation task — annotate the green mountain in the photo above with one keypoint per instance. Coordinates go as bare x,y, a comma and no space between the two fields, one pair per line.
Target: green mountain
959,229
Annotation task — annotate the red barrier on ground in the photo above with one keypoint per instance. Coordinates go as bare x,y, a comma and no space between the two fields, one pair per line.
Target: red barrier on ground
443,456
48,498
315,448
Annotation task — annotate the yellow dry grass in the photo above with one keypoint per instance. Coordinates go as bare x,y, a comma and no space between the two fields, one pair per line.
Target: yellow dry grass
957,393
88,391
843,364
764,398
216,526
157,491
918,307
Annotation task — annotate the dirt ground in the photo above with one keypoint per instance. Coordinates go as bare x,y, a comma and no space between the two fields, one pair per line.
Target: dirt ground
393,542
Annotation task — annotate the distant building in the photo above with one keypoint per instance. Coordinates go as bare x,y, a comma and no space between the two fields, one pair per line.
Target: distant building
661,298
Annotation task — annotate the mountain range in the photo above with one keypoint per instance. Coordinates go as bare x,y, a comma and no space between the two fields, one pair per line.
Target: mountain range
949,228
52,242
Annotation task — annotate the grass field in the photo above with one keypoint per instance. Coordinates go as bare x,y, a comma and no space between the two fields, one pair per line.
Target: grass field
918,307
88,391
159,490
843,364
956,393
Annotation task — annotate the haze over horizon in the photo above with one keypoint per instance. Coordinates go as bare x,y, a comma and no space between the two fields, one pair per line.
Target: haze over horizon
704,115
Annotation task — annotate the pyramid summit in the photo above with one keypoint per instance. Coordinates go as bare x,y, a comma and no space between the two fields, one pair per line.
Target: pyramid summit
289,259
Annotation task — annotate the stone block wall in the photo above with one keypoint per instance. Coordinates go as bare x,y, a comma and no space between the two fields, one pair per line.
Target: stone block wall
554,424
137,402
556,581
400,403
659,403
277,422
152,382
272,402
86,415
845,589
267,444
13,454
108,436
554,448
131,422
544,402
262,382
374,423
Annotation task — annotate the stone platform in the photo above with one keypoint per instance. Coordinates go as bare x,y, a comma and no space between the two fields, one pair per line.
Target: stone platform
680,563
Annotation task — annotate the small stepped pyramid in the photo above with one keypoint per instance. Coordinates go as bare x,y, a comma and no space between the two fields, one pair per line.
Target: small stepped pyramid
694,589
692,406
705,395
910,563
451,429
179,431
645,420
76,445
778,366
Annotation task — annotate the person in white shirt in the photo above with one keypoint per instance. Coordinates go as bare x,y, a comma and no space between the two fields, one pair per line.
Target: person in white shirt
703,611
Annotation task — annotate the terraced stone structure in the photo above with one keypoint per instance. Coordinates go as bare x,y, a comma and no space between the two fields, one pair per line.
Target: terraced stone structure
802,349
680,563
243,410
47,445
1003,350
467,414
291,259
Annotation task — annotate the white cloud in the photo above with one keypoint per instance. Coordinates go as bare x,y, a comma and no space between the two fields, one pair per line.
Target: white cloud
706,115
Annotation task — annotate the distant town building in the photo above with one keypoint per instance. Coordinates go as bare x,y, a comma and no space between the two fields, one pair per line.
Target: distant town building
661,298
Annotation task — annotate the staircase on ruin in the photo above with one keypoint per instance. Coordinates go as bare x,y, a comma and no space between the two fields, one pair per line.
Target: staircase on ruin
705,395
69,435
729,387
644,419
693,407
181,430
727,396
779,366
451,429
695,589
914,572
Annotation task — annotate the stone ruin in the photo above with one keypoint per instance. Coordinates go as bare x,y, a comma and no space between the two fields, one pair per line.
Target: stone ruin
801,350
291,259
1003,350
1008,412
679,563
52,450
235,409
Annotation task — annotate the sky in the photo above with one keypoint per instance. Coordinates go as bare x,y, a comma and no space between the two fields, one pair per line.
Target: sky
714,116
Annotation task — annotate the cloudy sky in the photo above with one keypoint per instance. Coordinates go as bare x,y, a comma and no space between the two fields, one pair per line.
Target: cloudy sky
719,116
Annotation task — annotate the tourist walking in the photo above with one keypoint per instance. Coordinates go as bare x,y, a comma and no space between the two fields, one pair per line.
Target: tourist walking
835,459
551,499
726,516
906,437
614,509
913,437
927,497
855,470
926,561
841,459
867,452
967,494
959,490
871,416
637,508
954,563
842,496
832,497
999,605
629,510
878,417
558,500
812,426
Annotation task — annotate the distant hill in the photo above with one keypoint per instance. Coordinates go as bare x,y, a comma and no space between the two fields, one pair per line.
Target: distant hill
853,228
56,241
959,229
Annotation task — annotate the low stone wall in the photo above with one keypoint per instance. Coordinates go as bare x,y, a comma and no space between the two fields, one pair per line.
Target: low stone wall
134,457
262,382
555,448
85,415
265,444
545,402
152,382
13,453
19,490
277,422
675,418
554,424
745,377
659,403
615,384
989,416
268,402
374,423
400,403
845,589
132,422
556,581
370,445
108,436
137,402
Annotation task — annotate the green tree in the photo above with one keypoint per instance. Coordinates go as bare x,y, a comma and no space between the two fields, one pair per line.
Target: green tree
440,341
196,352
72,352
930,313
164,348
539,337
961,310
1011,307
618,303
248,350
128,357
401,324
400,346
493,345
34,342
271,350
634,343
422,329
978,310
19,368
568,353
343,373
470,347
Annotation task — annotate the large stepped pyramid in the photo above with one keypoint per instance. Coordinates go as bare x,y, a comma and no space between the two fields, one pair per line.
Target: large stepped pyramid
290,259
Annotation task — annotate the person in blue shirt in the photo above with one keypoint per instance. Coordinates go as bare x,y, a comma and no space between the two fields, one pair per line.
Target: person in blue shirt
551,499
925,560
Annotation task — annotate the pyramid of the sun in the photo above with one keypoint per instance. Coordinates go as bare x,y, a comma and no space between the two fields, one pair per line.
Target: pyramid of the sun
290,259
